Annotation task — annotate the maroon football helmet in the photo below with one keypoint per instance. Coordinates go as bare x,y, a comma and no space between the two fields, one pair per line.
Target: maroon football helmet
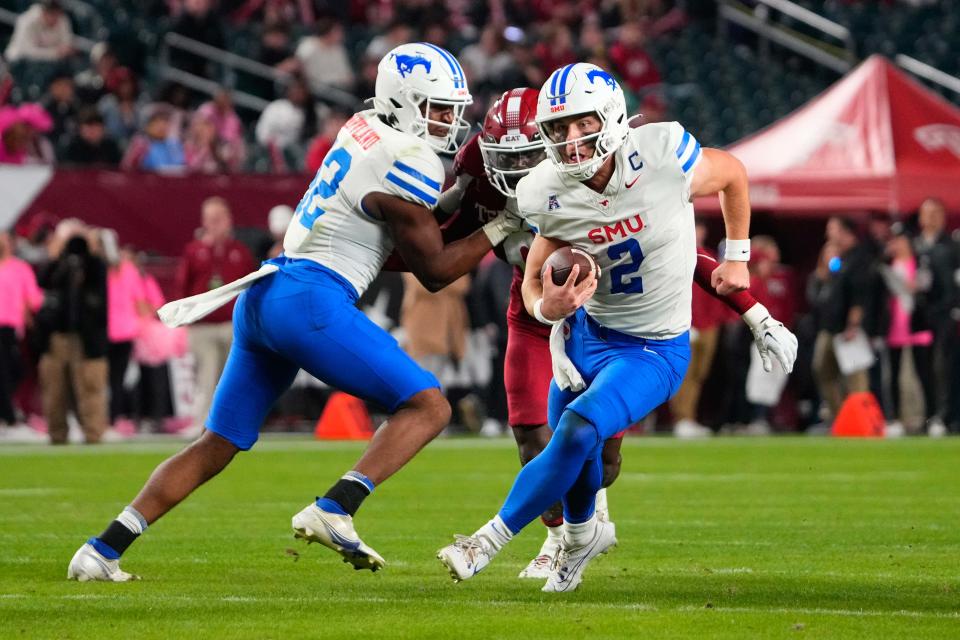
510,140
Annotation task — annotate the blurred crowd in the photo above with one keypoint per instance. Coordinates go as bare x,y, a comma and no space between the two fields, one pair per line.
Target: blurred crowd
78,330
79,333
879,313
110,108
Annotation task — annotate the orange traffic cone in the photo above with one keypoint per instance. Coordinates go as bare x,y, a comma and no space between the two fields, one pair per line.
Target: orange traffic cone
344,418
859,417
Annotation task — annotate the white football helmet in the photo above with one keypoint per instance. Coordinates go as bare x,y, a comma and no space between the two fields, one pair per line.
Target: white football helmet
410,79
577,89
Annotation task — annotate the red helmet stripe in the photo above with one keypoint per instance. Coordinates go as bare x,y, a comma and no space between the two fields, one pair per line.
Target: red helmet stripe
514,99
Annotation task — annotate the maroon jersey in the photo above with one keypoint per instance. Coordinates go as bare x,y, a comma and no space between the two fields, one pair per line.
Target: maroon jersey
480,204
205,267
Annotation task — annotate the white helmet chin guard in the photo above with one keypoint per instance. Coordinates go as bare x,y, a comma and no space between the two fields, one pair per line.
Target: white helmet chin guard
582,89
410,80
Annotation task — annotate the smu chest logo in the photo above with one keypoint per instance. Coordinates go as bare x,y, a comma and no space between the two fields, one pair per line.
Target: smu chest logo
552,202
406,64
619,229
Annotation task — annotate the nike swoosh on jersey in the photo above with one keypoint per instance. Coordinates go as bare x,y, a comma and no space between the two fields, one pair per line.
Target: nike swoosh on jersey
634,181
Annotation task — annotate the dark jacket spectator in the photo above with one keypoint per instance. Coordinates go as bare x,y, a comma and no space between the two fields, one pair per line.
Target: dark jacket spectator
844,294
938,260
841,301
91,146
198,22
74,316
75,287
61,103
936,264
275,51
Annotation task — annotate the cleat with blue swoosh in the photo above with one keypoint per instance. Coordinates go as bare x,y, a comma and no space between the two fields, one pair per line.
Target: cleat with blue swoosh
574,555
336,531
466,557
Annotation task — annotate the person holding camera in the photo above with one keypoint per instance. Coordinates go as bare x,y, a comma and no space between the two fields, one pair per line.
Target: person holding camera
74,318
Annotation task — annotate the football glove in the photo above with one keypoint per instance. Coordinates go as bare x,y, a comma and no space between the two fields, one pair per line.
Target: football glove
773,340
500,228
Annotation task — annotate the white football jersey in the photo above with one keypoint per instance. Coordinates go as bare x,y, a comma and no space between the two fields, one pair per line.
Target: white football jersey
640,230
330,225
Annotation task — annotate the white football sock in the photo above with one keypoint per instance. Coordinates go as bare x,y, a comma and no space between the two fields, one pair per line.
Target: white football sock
555,534
581,533
132,520
495,534
603,511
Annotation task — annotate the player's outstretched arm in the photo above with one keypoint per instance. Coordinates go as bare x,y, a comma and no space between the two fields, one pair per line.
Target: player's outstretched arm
419,241
739,301
721,173
558,301
769,334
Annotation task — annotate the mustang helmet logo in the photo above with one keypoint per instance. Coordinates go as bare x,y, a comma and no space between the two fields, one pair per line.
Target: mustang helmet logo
406,64
603,75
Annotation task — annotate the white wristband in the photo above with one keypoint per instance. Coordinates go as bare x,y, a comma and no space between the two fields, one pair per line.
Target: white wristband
538,314
736,250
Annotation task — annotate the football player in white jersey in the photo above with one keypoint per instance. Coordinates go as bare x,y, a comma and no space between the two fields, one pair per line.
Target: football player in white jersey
487,169
374,193
624,196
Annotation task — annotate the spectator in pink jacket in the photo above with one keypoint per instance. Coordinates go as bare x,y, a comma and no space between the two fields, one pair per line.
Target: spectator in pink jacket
900,277
21,139
221,114
126,303
19,298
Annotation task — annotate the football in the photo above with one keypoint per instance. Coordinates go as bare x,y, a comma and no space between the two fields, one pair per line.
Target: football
562,261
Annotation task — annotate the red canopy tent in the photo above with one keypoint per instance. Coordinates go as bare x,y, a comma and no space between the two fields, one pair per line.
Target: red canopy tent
875,140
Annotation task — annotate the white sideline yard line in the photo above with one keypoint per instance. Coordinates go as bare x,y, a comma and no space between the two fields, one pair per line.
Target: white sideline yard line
281,442
817,611
741,476
30,491
631,606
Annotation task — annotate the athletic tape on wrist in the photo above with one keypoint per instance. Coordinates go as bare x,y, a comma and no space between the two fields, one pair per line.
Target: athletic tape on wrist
538,313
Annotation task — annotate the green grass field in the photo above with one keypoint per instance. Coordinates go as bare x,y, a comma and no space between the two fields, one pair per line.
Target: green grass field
734,538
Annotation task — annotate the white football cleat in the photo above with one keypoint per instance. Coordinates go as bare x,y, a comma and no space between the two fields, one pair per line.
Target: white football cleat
466,557
89,565
572,560
690,430
336,531
540,566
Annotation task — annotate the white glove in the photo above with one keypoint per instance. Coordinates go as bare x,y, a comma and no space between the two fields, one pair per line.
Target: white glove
498,229
565,374
771,337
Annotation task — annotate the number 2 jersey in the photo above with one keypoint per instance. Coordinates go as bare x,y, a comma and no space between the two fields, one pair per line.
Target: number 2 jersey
330,225
640,229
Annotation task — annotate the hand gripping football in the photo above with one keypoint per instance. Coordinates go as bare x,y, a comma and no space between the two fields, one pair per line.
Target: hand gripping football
562,261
